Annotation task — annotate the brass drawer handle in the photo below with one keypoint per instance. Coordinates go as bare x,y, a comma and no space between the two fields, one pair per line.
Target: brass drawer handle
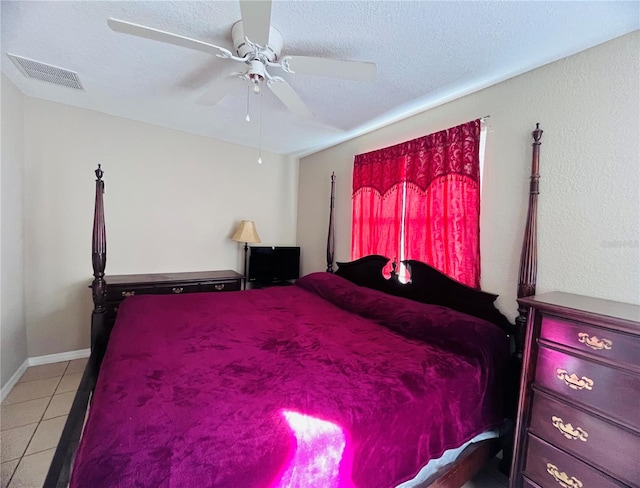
572,380
177,289
128,293
562,478
593,342
219,287
568,430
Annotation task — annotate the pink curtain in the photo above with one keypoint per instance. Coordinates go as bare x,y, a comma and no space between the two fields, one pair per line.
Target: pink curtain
439,176
377,204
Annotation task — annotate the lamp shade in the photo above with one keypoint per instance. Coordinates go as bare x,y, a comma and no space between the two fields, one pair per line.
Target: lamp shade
246,232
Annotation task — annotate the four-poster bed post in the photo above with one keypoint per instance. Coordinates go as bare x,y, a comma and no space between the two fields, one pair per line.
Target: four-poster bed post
526,287
529,256
331,236
60,469
99,262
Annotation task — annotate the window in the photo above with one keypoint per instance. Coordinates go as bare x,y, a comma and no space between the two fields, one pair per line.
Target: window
421,200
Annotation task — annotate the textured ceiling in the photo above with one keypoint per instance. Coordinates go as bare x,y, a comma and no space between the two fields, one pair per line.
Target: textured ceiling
426,53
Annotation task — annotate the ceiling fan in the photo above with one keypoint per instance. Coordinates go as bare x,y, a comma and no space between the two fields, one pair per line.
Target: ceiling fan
258,46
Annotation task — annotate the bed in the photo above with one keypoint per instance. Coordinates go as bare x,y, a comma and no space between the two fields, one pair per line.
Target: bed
346,379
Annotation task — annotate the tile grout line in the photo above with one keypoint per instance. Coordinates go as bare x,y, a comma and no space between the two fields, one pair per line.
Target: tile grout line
4,404
42,450
31,438
39,422
45,410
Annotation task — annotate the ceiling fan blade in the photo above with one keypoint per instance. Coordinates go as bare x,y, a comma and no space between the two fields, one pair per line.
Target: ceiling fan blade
335,68
287,95
162,36
219,89
256,20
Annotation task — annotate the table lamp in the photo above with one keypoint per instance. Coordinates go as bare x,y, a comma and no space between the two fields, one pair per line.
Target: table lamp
246,232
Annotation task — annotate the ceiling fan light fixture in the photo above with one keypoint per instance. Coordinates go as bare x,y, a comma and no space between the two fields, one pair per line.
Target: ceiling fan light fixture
256,70
256,74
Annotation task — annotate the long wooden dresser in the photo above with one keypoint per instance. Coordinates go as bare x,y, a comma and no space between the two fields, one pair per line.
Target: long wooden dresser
578,422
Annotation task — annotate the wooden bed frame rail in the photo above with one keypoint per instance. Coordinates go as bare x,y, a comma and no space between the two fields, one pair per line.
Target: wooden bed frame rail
472,459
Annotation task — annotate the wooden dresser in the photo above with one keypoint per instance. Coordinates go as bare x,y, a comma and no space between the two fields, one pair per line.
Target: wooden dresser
120,287
578,422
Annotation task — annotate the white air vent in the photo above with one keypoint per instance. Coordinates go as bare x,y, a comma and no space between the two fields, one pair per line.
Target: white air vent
46,72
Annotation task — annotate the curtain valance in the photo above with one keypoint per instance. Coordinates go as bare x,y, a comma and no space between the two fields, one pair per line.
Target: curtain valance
451,151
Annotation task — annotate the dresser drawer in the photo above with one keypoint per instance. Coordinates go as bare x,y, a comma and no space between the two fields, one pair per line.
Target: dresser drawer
615,346
590,383
612,449
552,468
121,292
176,288
220,286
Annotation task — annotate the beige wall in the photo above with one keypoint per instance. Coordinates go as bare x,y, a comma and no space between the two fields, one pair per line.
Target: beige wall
13,336
588,105
171,202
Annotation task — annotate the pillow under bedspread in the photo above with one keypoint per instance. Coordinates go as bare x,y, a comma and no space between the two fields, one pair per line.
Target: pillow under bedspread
279,387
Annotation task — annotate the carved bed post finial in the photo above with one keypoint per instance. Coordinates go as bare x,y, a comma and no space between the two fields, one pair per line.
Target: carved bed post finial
331,236
529,257
98,256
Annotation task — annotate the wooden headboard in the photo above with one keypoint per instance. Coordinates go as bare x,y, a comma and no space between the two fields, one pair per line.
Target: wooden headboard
427,285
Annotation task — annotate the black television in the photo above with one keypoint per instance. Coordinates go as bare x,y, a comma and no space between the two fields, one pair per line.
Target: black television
273,264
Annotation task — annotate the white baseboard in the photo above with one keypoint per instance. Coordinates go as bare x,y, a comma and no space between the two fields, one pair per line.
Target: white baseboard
56,358
13,380
39,360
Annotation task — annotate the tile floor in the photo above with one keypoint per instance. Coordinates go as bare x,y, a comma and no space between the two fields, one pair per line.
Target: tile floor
32,419
34,413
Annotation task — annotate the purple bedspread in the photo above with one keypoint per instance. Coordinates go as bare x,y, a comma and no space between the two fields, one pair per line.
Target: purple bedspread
323,384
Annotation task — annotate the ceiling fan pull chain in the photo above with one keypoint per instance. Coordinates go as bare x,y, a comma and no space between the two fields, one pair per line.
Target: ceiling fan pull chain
260,132
247,118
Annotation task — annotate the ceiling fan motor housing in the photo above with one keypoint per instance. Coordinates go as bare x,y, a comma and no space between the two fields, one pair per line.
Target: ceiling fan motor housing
270,52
